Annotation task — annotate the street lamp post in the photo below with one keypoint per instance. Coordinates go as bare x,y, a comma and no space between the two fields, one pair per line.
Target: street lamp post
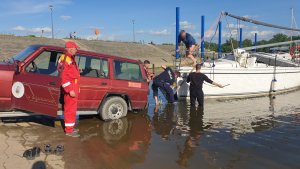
133,31
52,30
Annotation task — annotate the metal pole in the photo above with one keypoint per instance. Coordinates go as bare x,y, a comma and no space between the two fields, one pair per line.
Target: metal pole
241,37
177,30
133,31
220,40
292,9
255,41
274,76
52,30
202,36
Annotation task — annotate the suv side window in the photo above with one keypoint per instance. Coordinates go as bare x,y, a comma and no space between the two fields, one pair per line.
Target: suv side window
92,67
127,71
45,63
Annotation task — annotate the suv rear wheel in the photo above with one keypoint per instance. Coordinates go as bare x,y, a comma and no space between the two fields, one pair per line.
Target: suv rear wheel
113,108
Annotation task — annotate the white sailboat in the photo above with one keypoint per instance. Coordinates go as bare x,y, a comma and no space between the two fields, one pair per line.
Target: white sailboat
247,74
244,76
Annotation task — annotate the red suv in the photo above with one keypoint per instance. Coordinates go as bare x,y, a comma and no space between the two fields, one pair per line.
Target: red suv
110,86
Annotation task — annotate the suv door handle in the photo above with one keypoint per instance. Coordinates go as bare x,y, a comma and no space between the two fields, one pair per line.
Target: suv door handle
52,83
103,83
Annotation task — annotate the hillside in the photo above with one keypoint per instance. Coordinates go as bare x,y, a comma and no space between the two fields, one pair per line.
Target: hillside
154,53
11,45
157,54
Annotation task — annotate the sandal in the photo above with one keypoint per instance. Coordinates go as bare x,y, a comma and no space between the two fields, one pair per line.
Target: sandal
30,154
59,149
48,149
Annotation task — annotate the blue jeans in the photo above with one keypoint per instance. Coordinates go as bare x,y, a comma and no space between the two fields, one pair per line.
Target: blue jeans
165,89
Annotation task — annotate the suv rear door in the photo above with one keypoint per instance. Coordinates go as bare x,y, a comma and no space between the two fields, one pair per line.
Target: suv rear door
129,80
37,87
94,80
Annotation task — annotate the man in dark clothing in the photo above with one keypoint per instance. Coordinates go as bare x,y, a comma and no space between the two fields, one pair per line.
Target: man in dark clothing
165,81
196,80
190,44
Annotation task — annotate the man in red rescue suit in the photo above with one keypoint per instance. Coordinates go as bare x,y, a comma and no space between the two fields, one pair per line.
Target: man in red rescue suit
70,76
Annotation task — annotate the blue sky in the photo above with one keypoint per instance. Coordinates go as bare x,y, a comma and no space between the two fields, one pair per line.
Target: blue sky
154,19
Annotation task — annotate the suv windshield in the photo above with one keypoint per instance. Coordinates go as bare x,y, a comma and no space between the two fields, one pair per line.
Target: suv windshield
24,54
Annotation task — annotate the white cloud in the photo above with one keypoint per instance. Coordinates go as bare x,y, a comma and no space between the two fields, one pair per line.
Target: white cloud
249,34
210,34
19,28
187,25
159,33
163,32
263,34
196,35
234,26
32,30
65,17
38,30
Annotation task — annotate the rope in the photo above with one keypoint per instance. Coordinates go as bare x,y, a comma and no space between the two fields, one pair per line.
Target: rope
230,33
213,36
211,27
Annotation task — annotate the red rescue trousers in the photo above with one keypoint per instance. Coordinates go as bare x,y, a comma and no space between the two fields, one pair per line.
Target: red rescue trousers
70,108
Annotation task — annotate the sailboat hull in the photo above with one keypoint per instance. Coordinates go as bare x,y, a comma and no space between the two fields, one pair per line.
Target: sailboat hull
245,82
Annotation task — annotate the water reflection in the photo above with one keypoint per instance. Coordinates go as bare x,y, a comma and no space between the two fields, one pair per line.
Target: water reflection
188,135
192,140
174,120
199,133
117,144
164,120
178,119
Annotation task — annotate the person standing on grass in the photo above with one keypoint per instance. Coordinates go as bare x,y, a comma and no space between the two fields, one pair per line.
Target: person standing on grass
196,80
190,44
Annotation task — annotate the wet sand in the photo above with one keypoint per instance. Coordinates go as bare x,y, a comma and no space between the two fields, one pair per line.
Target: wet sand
250,133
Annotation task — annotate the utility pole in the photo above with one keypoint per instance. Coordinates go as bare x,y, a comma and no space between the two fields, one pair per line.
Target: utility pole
52,30
133,32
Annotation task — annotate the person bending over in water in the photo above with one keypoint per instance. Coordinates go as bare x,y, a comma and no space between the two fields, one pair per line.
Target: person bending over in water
164,81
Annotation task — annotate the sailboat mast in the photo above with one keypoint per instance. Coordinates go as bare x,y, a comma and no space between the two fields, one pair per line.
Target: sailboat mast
292,21
259,22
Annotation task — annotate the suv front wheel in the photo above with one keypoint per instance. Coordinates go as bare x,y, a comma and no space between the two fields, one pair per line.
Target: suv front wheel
113,108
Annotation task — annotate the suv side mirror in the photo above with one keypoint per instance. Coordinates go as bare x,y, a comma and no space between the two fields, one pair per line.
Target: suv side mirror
18,67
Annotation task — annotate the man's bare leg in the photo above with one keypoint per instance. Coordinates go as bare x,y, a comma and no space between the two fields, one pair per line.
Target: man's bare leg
190,55
193,58
156,108
156,100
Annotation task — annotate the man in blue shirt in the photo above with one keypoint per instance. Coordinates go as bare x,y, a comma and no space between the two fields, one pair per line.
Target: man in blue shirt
190,44
165,81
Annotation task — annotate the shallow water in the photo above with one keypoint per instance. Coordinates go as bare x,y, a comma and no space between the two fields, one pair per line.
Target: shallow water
250,133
